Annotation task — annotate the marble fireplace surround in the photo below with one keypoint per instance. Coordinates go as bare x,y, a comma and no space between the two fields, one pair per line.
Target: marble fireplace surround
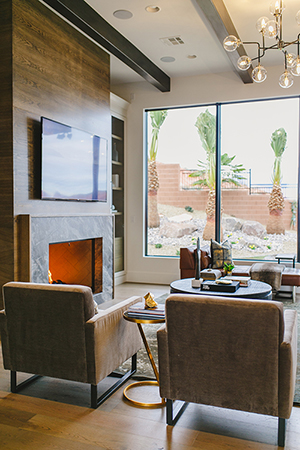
43,231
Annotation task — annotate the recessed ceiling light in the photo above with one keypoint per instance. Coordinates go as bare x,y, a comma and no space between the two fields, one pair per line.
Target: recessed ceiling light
122,14
152,9
191,56
167,59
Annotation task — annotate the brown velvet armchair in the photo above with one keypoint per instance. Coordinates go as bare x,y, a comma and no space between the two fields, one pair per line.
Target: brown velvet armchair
236,354
52,330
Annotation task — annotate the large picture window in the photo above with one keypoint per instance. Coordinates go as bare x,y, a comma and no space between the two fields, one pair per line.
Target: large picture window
258,173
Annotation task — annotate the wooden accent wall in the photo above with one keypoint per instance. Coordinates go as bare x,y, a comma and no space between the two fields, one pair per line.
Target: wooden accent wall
48,69
6,146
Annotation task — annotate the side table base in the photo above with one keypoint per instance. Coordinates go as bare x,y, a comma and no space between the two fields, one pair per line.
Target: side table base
142,404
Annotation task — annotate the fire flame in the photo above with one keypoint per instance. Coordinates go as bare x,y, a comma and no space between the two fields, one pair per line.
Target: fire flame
50,279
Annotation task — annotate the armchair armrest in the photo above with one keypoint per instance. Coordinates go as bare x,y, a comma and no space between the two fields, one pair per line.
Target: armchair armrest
163,362
287,364
110,340
4,341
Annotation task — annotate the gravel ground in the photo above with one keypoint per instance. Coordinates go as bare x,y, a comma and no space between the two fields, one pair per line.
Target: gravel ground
243,246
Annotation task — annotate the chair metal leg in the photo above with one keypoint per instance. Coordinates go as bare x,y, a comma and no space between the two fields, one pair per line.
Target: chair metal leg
281,431
97,401
178,412
14,387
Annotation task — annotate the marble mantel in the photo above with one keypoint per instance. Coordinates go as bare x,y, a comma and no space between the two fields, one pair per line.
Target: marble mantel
41,231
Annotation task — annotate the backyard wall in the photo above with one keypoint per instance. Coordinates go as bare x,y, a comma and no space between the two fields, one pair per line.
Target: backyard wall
235,202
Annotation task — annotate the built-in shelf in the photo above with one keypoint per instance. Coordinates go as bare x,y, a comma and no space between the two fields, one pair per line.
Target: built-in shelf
119,138
117,163
118,192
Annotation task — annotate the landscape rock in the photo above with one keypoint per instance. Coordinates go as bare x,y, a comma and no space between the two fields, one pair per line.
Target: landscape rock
181,218
177,230
232,224
253,228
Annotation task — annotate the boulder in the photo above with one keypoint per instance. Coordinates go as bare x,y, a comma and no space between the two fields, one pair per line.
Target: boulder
176,230
181,218
232,224
253,228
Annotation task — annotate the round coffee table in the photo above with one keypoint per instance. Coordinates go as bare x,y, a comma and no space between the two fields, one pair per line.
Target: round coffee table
256,289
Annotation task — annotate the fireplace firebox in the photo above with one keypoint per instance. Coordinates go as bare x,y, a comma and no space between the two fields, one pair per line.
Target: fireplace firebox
77,262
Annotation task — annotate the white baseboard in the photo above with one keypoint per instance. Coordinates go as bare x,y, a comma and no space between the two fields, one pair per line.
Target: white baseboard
151,278
120,278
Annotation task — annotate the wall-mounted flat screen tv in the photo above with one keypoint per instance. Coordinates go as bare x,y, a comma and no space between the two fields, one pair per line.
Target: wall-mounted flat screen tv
74,164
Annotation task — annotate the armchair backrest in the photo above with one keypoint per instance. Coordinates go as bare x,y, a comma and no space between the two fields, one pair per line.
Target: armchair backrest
224,352
46,329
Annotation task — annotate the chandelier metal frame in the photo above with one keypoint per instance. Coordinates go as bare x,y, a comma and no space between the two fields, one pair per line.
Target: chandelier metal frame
271,29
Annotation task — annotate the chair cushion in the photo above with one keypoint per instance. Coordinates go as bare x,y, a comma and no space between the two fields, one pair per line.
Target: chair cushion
220,254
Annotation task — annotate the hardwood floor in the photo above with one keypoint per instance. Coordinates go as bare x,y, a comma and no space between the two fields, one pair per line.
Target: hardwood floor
55,414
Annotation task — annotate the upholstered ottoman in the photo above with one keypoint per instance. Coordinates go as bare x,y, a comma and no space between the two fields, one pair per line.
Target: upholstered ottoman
268,273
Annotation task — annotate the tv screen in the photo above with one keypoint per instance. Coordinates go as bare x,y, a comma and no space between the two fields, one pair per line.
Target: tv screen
74,164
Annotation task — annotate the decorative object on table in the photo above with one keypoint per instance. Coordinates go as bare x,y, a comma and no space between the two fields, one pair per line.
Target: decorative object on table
149,301
221,254
228,268
244,281
217,286
210,274
271,29
196,283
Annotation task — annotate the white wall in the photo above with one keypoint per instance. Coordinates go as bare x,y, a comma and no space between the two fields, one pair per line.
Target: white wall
184,91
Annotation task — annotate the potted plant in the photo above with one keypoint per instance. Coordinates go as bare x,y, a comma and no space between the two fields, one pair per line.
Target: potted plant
228,268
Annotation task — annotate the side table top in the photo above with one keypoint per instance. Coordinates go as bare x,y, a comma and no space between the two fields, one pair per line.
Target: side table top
291,256
142,320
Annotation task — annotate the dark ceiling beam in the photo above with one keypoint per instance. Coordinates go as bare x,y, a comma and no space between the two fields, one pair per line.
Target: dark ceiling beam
216,13
92,24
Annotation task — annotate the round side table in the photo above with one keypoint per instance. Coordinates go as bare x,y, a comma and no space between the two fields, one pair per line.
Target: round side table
139,323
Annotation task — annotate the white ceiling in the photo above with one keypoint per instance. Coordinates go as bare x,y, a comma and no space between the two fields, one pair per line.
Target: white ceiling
184,18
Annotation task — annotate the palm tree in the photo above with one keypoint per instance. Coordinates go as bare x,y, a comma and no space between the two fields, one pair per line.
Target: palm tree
157,119
206,126
276,201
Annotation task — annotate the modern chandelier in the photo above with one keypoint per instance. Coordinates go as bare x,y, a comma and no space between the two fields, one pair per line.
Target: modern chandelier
271,29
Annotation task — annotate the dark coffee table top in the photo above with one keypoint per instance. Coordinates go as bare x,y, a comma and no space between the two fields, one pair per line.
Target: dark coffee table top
256,289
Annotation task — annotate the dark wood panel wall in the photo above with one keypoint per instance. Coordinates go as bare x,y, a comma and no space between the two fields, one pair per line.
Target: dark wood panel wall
6,146
48,69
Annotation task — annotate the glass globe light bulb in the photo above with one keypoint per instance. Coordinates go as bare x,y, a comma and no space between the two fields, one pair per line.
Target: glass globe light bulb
259,74
295,69
298,17
277,7
290,58
261,24
271,30
231,43
244,62
286,80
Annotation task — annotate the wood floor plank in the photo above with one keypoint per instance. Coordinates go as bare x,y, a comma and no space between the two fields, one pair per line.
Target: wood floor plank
100,436
13,438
